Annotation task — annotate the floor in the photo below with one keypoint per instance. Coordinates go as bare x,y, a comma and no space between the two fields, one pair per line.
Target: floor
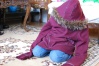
97,64
93,32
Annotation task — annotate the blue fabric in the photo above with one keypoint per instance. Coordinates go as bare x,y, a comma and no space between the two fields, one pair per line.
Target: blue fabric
39,51
55,55
13,8
59,56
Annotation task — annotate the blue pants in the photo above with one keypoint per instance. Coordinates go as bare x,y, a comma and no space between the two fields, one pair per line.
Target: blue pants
55,55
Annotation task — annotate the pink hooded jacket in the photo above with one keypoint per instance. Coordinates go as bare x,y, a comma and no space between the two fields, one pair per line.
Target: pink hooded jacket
66,30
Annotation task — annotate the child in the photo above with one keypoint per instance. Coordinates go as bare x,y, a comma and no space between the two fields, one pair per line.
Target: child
64,37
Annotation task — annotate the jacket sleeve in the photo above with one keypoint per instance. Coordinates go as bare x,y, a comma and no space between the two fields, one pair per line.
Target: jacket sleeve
81,47
44,31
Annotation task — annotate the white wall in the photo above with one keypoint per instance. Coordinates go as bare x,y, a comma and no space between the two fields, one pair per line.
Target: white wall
90,9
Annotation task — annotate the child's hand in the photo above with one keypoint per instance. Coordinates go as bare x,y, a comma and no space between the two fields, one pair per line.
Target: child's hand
67,65
24,56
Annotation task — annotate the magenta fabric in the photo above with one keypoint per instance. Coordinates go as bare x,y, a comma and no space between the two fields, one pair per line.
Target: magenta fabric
55,37
71,10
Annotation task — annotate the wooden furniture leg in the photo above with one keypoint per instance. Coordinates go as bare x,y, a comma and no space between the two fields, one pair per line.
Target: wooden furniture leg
41,4
48,16
28,8
98,35
95,27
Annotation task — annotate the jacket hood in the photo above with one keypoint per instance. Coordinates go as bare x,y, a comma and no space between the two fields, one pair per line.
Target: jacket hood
70,15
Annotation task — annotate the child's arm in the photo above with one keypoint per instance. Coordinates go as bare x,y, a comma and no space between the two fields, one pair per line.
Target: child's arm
81,47
46,28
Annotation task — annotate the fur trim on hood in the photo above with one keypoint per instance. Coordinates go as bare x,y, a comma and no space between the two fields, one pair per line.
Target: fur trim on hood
73,25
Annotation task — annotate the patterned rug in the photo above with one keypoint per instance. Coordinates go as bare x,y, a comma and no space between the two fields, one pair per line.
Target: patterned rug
16,41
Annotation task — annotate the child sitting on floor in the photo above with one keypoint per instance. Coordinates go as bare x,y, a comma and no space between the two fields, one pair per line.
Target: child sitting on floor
64,37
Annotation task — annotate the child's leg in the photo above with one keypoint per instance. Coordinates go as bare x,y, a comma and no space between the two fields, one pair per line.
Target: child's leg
59,56
39,51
